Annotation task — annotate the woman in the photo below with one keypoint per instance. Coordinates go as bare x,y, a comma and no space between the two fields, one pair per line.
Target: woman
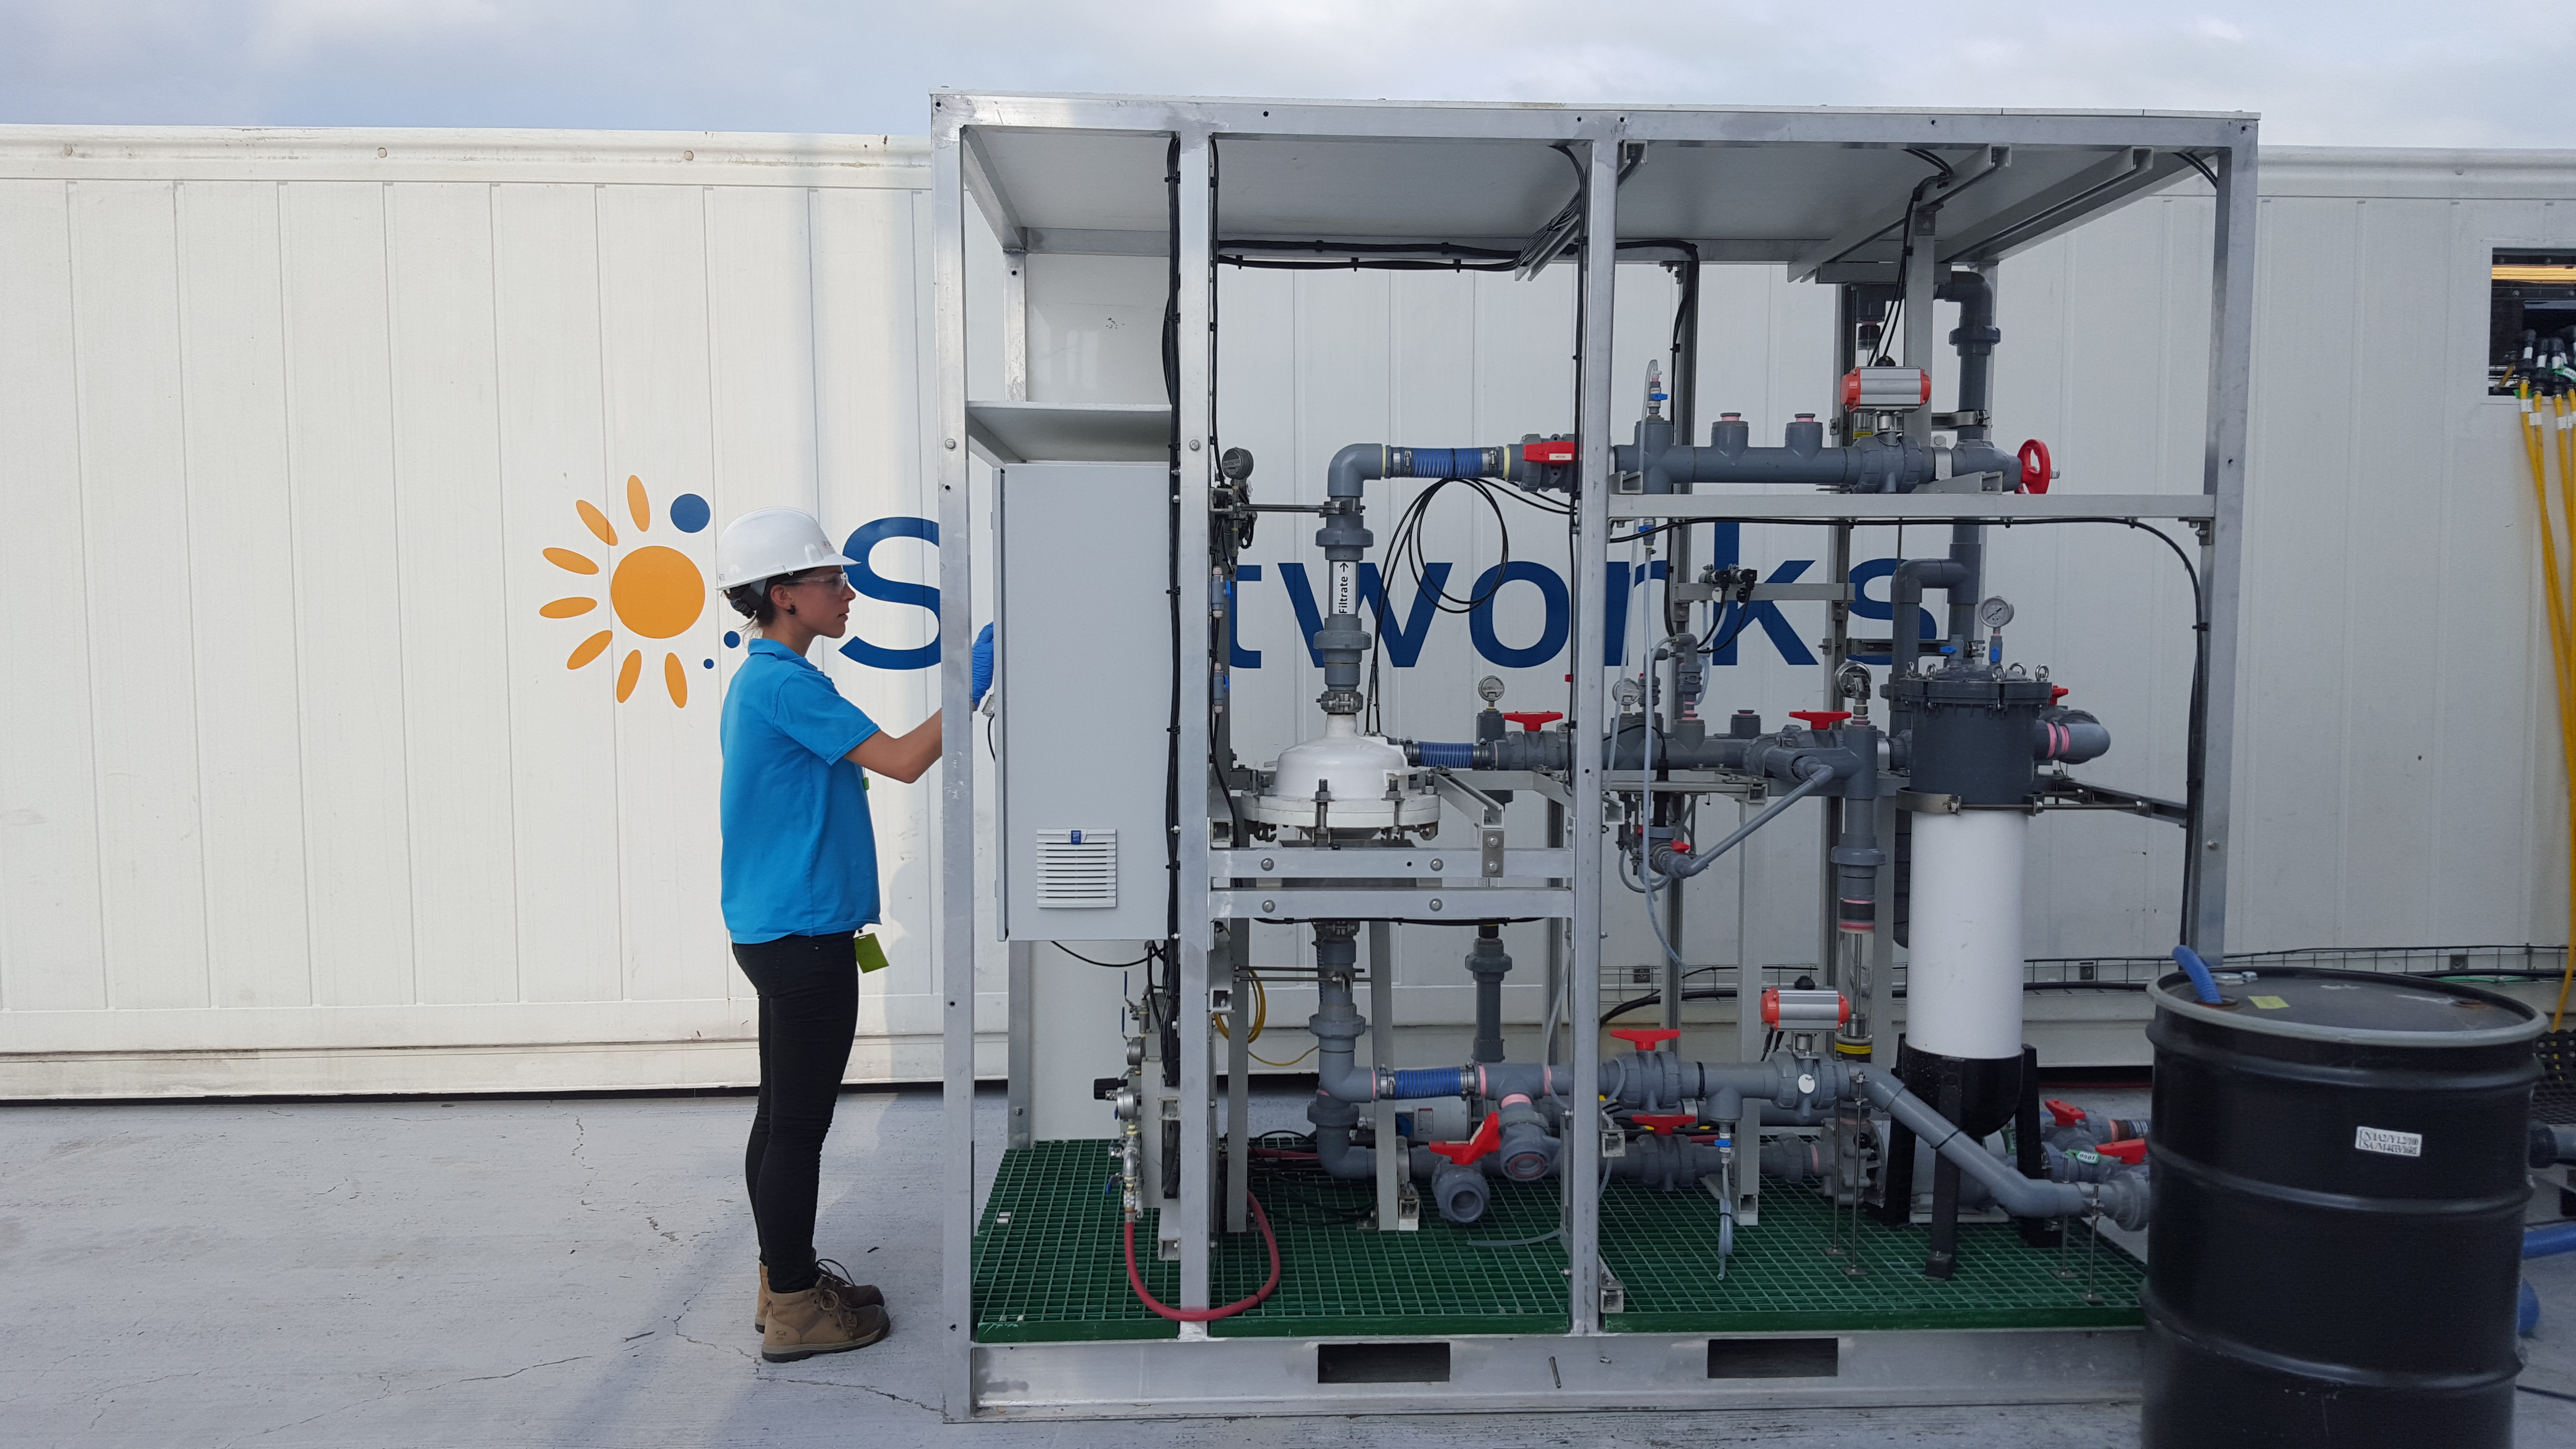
800,879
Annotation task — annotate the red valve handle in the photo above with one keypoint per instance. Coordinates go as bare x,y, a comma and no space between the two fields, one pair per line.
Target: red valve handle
2066,1113
1663,1122
1821,719
2035,476
2132,1150
1646,1038
1558,450
1531,720
1488,1137
2057,692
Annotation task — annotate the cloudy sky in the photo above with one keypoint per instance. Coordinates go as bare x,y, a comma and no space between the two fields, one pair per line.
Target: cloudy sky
2364,72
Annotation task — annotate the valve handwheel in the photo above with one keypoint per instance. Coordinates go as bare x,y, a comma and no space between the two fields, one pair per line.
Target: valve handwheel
2035,474
1821,719
1645,1038
1531,720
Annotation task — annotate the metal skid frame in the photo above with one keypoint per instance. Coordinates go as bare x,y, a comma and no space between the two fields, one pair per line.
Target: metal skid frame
1586,1367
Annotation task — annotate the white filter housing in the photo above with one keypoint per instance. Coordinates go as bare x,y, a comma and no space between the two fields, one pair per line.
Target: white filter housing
1358,769
1963,983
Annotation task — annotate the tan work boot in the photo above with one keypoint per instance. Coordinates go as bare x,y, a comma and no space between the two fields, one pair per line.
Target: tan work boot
862,1295
802,1325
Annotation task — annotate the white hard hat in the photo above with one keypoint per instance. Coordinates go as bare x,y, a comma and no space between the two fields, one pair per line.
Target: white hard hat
768,542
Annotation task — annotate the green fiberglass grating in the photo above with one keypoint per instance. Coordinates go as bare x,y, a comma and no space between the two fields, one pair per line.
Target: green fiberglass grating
1663,1249
1048,1265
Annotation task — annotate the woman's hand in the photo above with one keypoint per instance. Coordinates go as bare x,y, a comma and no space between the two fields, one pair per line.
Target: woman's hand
903,757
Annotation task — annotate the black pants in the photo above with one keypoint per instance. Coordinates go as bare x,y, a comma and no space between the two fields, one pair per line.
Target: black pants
809,1012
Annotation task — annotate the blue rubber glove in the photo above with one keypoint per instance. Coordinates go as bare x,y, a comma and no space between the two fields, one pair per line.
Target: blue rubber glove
983,664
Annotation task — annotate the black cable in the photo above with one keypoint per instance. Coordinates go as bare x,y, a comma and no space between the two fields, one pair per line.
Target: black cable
1223,546
2202,167
1905,257
1111,965
1404,547
2196,740
2544,1393
1171,1035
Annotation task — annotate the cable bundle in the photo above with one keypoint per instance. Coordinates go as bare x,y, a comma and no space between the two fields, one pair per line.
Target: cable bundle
2545,411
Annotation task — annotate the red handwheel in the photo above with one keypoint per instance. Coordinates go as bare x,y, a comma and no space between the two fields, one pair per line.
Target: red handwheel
2035,474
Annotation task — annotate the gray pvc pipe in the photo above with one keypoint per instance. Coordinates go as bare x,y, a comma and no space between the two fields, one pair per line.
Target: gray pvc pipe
1673,865
1905,594
2124,1199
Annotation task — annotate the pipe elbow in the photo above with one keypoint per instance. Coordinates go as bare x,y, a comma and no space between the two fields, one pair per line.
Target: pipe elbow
1353,466
2070,735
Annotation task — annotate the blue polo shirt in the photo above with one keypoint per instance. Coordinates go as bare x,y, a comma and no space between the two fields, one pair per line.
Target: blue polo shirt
800,853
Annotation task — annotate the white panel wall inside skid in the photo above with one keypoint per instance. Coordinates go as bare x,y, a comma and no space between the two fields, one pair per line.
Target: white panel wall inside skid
2407,803
364,669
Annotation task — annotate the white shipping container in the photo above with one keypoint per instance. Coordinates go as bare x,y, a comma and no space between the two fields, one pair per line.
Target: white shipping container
312,443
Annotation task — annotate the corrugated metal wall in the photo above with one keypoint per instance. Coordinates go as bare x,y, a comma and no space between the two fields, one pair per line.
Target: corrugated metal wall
299,793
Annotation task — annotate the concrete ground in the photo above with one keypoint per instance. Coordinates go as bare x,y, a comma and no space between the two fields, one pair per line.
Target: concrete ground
500,1273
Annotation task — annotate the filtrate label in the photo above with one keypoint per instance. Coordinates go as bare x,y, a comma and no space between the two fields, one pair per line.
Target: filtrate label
2391,1144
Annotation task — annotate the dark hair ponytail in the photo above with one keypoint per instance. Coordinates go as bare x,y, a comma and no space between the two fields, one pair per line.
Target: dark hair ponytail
752,601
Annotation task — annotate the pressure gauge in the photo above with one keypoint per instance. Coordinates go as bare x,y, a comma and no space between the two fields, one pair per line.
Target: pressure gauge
1995,613
1489,688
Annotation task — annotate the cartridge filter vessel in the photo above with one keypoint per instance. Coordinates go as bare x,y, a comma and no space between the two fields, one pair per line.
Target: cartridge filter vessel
2337,1227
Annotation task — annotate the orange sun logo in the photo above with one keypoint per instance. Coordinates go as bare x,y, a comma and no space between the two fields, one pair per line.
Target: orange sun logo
655,592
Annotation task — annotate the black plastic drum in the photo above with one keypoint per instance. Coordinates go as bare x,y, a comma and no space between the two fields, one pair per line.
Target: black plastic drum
2337,1227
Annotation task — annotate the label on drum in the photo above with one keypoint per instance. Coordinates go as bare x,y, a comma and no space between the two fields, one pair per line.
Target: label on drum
2387,1143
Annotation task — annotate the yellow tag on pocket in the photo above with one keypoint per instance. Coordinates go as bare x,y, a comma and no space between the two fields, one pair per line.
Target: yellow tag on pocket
872,956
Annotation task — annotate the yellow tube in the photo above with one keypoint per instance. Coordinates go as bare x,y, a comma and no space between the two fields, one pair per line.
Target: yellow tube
2563,638
2535,452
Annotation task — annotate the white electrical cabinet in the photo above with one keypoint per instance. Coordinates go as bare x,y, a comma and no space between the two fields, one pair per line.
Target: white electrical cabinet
1083,666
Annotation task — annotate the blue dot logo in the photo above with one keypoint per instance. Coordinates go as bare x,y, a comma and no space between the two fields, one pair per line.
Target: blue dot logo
689,513
732,640
708,663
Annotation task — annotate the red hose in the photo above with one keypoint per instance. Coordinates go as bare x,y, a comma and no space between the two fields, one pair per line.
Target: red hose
1204,1315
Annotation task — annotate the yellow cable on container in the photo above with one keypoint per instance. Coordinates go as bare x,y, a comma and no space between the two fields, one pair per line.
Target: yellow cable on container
2563,638
2535,452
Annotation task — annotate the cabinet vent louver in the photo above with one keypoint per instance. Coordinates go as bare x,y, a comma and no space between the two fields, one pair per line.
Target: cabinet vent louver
1078,869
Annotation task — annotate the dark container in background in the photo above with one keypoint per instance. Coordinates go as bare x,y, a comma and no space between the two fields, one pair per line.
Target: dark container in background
2337,1227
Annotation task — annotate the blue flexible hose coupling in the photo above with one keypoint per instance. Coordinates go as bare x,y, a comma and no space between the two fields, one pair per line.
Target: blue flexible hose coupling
1448,462
2201,982
1445,756
1417,1083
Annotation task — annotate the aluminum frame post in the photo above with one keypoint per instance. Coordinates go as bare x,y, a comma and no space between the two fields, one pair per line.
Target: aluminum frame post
1921,281
1381,1035
1598,283
1748,1027
1021,1058
956,813
1197,926
2231,362
1836,648
1238,1075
